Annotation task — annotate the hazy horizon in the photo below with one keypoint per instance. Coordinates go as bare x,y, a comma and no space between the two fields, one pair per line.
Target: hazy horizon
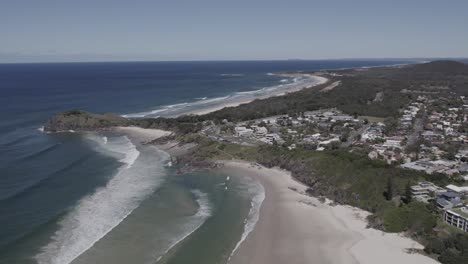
461,59
50,31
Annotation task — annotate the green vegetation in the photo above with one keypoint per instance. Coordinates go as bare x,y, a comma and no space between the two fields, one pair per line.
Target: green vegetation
354,96
351,178
81,120
413,218
452,249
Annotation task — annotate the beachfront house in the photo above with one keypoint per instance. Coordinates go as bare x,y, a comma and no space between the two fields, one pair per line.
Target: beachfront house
457,218
243,131
261,131
457,189
447,200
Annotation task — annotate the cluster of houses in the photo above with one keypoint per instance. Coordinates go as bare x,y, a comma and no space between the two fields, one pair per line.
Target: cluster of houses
452,200
408,117
318,130
258,132
443,166
314,130
445,125
443,128
390,148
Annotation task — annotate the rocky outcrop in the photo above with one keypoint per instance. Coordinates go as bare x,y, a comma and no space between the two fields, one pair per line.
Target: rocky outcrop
78,120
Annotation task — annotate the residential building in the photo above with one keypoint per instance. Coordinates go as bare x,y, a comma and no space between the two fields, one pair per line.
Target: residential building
457,218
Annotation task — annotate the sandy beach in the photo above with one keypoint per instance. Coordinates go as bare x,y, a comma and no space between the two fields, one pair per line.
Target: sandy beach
295,228
143,134
312,80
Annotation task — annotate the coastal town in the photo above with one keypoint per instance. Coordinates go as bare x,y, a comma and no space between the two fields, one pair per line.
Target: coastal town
234,132
390,141
429,136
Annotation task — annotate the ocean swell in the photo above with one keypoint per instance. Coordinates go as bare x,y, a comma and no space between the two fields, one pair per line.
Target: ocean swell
97,214
289,82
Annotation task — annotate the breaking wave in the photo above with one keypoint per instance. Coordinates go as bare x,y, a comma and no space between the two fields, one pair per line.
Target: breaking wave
257,192
289,82
232,74
97,214
196,221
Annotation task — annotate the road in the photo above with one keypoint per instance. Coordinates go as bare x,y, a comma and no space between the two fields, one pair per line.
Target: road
417,128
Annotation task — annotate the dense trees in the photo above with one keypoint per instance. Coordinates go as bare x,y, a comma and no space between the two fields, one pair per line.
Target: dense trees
451,250
389,190
354,96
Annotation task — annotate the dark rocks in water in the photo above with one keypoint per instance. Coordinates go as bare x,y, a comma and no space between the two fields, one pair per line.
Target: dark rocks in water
78,120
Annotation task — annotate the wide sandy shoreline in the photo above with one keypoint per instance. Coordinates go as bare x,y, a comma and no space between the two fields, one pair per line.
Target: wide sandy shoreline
296,228
313,80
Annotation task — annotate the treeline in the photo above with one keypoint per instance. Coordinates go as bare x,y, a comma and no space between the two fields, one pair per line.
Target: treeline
181,125
355,96
452,249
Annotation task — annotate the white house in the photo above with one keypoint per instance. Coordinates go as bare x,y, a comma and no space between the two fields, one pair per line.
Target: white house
457,189
261,131
457,218
243,131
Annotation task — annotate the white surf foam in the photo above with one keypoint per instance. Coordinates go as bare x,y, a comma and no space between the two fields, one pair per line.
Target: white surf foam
41,129
213,99
293,82
148,113
232,74
176,105
97,214
249,92
256,190
197,220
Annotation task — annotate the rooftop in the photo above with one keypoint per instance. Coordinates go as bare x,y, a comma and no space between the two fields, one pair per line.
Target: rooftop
463,211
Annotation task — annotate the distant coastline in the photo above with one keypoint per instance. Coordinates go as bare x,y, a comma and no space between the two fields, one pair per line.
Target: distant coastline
294,82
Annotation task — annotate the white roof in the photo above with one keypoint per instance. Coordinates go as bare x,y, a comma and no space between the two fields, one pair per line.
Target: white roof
457,188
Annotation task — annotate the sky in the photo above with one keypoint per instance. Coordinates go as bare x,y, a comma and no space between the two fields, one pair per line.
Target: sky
159,30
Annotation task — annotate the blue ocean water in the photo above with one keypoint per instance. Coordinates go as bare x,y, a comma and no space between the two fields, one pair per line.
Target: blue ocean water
45,176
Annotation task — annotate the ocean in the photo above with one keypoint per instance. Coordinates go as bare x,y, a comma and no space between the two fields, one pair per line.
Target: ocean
105,198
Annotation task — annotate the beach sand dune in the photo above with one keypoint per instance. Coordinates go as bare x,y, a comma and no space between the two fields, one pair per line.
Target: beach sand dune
295,228
143,134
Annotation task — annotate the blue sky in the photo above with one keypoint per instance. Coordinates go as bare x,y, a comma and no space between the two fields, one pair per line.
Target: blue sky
231,30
